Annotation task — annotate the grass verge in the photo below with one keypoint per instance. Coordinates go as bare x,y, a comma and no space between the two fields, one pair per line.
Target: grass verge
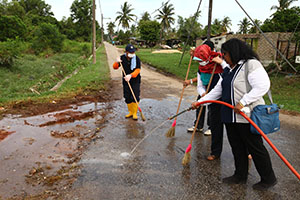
31,77
169,62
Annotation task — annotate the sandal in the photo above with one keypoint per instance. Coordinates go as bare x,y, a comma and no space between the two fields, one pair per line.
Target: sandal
212,157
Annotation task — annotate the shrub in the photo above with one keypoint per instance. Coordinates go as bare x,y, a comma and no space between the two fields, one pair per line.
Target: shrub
11,27
85,50
9,51
47,36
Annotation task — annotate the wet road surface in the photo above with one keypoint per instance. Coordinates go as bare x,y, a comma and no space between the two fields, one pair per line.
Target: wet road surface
154,170
86,153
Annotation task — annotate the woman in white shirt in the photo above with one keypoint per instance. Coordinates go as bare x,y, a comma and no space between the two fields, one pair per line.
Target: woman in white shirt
244,68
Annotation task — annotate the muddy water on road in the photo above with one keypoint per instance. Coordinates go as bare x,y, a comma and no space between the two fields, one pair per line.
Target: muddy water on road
41,152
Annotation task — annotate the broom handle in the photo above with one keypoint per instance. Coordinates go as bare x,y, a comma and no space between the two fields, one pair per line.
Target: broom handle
130,87
186,76
200,112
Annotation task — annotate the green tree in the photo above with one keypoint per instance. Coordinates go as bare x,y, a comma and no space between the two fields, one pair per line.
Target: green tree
9,51
36,7
145,17
253,28
149,31
67,27
11,27
81,14
15,8
123,37
133,30
3,6
185,29
283,21
166,16
226,23
244,26
47,36
125,16
283,4
110,28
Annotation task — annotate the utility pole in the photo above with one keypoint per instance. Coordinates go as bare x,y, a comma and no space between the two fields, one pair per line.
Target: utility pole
94,33
209,19
102,29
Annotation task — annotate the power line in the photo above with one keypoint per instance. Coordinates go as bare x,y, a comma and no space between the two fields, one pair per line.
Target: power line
270,42
160,7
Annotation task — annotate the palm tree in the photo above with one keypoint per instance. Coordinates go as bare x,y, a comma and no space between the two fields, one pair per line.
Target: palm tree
165,15
110,28
244,26
226,23
283,4
216,26
254,29
145,17
125,17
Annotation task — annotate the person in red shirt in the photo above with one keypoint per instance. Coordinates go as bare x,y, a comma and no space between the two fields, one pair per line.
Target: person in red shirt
204,55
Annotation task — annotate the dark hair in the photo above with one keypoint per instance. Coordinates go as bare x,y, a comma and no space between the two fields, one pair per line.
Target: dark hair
238,50
210,44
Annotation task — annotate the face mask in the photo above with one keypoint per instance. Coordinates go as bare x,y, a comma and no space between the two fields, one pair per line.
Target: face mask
203,63
130,55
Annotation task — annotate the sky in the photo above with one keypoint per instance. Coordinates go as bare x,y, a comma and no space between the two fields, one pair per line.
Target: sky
257,9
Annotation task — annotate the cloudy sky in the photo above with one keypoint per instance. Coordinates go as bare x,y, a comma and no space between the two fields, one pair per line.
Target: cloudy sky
257,9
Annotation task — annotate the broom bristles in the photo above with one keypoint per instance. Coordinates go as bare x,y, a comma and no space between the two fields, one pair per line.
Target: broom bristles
186,159
171,132
143,117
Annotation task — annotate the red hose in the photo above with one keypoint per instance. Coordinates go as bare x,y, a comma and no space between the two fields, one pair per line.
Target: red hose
260,131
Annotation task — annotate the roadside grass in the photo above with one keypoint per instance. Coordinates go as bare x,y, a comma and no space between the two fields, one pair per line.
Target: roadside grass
31,75
90,78
169,62
285,91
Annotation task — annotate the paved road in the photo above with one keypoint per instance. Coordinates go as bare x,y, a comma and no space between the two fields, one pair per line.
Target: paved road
39,158
154,170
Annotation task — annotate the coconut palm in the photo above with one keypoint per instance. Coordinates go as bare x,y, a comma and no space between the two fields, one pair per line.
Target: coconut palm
283,4
125,16
165,15
110,28
146,16
226,23
253,28
244,26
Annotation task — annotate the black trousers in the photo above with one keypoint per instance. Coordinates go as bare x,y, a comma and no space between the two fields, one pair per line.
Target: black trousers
216,127
127,93
241,141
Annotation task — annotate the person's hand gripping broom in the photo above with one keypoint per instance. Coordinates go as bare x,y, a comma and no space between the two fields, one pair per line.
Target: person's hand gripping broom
171,131
187,156
140,110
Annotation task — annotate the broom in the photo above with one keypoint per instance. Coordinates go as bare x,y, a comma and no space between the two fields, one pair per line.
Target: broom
140,110
187,155
171,131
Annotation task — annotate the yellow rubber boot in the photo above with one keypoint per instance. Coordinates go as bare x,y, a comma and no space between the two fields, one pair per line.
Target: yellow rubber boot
134,111
129,105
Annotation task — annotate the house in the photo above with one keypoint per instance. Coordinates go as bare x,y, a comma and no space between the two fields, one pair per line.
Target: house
261,46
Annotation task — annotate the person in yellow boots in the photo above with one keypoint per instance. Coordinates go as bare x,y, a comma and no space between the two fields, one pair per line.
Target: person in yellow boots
132,67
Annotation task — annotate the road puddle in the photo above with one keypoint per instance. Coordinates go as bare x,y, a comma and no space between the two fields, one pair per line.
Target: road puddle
40,153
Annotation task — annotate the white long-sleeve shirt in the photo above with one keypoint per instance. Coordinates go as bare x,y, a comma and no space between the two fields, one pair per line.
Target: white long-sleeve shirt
259,82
